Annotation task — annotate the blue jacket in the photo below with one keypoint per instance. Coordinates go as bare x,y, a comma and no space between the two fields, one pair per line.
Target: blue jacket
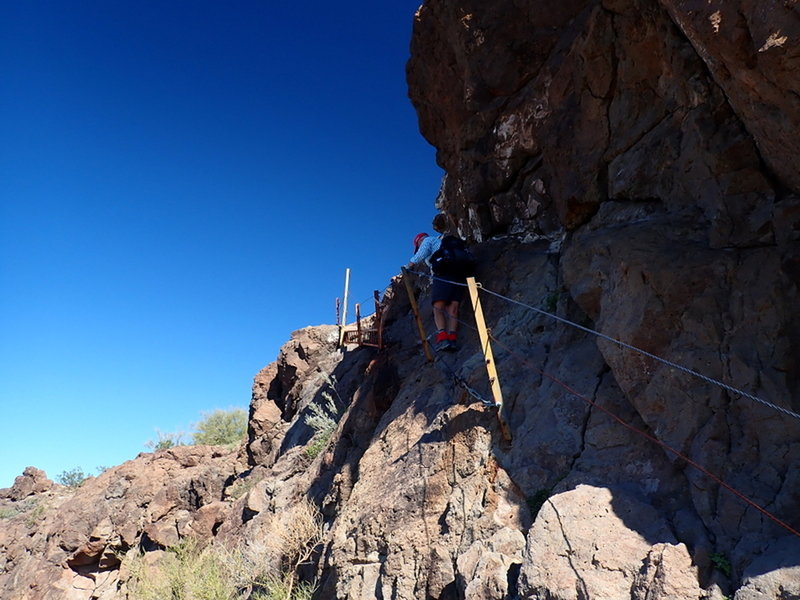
426,249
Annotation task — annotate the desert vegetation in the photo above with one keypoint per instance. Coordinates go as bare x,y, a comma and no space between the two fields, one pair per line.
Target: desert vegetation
215,428
265,570
323,418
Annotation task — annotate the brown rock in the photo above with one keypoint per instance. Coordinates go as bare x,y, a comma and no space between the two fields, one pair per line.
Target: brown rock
775,574
751,51
32,481
445,492
668,572
287,386
484,567
68,551
651,131
630,167
613,101
592,542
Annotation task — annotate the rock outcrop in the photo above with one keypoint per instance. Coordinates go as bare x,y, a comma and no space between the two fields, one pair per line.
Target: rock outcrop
627,173
636,139
32,481
68,544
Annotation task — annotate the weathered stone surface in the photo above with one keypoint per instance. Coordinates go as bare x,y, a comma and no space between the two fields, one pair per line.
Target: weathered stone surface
614,102
484,569
643,129
775,574
286,387
65,542
751,50
600,543
667,572
446,492
32,481
265,424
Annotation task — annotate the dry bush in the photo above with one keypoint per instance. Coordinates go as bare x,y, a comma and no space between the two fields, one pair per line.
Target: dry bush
292,542
264,570
183,572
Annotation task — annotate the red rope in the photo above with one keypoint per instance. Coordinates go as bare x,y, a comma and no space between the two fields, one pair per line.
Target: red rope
653,439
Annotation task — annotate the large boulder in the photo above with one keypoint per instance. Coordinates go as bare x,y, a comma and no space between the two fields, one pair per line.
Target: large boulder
32,481
605,544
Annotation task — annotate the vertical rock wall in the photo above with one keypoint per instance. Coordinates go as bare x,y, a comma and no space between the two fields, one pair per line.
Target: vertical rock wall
652,146
576,103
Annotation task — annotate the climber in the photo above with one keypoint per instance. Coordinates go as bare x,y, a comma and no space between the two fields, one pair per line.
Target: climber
451,263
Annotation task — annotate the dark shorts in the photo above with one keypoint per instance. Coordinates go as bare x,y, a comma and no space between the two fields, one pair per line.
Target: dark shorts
444,291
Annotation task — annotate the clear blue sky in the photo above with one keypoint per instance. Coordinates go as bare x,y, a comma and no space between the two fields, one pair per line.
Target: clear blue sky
183,184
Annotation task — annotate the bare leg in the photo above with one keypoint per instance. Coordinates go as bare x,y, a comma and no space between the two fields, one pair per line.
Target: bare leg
452,317
440,315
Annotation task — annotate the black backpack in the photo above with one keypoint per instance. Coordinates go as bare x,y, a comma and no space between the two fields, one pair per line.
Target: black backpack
453,260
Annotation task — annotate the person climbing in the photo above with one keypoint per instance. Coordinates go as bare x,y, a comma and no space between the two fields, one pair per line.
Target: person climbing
451,263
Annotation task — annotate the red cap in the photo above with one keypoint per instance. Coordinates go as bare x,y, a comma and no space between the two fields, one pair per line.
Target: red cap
418,240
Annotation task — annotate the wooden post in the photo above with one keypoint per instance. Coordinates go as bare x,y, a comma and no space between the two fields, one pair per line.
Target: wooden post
378,319
415,310
486,347
358,323
344,306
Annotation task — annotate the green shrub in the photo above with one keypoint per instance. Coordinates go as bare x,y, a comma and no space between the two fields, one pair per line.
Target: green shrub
323,420
317,444
551,301
282,589
73,478
8,512
722,563
185,572
323,423
221,427
32,508
241,487
34,513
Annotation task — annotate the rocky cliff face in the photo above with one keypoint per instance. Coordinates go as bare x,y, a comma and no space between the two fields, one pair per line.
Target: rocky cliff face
629,167
58,543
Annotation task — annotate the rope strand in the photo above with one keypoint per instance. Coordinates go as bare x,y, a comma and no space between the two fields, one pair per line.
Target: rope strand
664,361
633,348
457,378
650,437
525,360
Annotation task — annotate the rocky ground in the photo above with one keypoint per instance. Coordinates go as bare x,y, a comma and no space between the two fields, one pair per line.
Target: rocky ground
630,167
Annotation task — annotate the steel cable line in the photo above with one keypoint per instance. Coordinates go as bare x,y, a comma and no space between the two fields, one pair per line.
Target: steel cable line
525,360
627,346
664,361
438,358
456,377
648,436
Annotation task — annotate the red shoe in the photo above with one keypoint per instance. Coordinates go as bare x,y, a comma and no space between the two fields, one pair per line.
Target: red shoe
441,341
452,344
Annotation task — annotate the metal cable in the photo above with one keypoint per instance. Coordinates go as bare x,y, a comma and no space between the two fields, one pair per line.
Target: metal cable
525,360
669,363
457,378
